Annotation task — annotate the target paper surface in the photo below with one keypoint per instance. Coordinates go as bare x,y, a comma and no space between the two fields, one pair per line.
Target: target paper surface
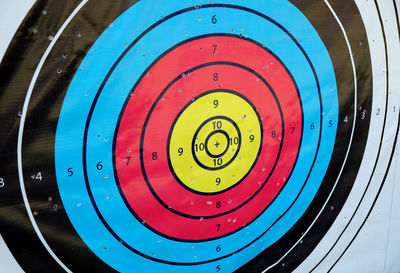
179,136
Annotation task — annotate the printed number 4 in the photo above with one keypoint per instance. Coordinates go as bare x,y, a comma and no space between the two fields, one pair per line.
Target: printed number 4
38,176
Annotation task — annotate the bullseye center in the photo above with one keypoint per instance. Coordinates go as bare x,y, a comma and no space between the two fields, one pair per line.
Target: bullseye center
217,143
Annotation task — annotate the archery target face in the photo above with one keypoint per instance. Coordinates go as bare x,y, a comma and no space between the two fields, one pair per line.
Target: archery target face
191,139
201,137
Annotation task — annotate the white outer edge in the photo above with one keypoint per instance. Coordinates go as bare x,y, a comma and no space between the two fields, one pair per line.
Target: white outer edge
12,13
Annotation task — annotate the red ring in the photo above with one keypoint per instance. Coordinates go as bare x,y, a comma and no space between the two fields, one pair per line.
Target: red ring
144,204
158,127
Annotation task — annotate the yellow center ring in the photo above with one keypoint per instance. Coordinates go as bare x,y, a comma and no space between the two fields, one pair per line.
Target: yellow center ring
214,141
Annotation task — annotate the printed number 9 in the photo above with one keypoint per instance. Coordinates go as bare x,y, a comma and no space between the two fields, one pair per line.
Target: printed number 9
251,138
215,102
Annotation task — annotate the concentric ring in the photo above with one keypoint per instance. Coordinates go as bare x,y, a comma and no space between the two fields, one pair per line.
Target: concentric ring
131,121
279,244
104,161
226,143
216,123
310,112
213,140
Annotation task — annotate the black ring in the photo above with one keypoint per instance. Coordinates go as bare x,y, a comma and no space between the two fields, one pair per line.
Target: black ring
198,130
208,139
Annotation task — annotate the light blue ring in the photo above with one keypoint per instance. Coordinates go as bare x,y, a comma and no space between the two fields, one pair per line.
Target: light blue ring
102,131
